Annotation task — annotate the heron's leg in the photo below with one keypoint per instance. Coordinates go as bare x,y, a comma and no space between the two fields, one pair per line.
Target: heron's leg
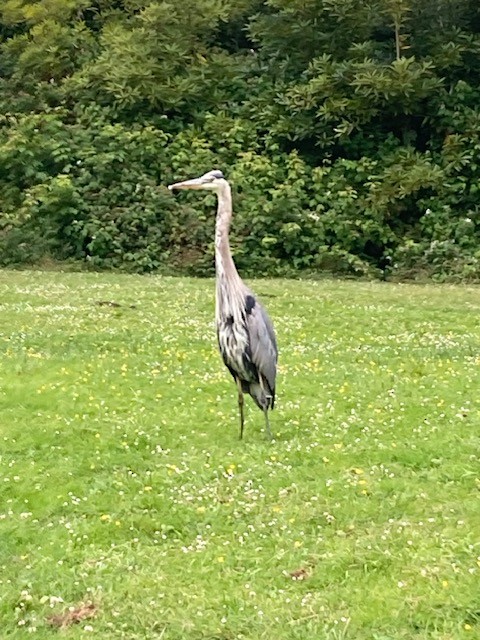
265,410
240,407
267,424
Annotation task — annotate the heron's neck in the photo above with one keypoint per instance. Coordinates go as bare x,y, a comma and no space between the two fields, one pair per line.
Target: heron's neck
224,265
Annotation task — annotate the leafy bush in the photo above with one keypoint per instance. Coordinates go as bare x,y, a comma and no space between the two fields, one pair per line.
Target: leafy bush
352,142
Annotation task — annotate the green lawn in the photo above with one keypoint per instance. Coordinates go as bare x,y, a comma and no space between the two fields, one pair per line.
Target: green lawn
123,482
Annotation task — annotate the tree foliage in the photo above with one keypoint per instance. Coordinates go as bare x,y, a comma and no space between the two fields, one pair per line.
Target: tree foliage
350,131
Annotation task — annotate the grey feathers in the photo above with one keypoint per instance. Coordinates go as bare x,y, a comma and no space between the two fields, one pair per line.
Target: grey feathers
263,347
248,346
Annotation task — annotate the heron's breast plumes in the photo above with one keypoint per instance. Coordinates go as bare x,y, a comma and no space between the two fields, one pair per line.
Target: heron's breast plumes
233,338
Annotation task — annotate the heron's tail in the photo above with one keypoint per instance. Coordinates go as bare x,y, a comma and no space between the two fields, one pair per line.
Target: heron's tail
262,394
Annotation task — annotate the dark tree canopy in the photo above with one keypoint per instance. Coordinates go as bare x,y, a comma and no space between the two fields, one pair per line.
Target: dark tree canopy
349,129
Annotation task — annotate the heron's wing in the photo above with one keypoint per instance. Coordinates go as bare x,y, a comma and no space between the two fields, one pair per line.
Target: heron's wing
263,344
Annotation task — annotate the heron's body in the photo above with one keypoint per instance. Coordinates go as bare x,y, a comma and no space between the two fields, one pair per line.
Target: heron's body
240,342
246,337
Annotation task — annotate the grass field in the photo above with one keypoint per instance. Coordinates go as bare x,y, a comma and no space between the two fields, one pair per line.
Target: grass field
130,509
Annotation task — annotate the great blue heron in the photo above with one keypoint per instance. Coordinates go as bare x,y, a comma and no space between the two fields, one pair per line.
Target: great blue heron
246,337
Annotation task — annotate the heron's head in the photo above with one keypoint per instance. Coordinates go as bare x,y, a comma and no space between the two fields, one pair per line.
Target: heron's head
211,181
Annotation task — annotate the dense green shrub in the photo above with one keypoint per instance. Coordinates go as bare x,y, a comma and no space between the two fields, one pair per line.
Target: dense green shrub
350,132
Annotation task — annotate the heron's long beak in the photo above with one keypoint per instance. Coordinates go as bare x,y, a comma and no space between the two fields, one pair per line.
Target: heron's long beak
196,183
